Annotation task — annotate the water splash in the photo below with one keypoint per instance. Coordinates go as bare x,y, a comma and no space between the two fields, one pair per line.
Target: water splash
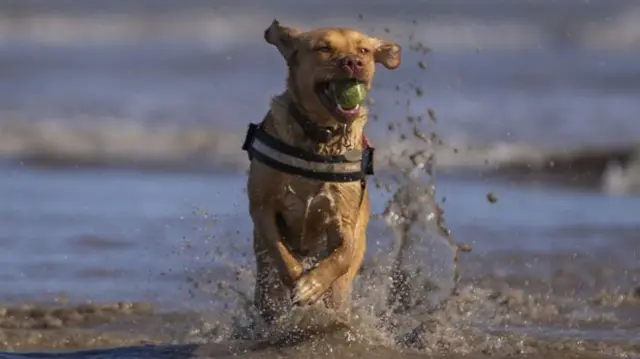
392,301
424,270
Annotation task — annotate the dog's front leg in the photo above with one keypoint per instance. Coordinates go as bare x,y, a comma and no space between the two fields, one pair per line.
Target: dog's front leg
289,269
314,284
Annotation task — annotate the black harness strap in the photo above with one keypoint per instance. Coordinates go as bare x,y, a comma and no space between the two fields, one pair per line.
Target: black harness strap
255,132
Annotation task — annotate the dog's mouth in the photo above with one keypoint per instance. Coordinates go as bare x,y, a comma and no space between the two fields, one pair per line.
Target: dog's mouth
343,98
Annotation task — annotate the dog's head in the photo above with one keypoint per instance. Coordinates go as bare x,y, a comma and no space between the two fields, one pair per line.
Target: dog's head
320,57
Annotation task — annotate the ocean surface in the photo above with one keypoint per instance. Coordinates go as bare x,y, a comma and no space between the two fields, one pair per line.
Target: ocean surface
124,230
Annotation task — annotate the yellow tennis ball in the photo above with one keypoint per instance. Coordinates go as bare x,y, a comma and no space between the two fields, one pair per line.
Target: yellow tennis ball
349,94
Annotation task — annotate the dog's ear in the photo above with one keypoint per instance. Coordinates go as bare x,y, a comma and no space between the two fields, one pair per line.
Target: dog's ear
388,54
283,38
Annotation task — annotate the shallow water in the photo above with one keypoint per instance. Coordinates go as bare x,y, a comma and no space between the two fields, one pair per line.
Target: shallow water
566,265
62,230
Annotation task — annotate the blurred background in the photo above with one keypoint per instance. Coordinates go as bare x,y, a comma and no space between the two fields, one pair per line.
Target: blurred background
160,83
121,124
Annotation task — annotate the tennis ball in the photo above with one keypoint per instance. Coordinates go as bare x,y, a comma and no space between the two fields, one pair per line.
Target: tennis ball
348,94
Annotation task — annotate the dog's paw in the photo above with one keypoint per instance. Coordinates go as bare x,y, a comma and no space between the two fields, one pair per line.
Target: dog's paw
308,290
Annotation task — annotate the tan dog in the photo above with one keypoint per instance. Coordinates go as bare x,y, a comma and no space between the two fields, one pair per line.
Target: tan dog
307,189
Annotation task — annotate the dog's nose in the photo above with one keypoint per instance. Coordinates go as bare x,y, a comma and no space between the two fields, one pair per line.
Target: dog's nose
352,63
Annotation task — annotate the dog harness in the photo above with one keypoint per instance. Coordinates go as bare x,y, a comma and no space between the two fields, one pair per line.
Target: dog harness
354,165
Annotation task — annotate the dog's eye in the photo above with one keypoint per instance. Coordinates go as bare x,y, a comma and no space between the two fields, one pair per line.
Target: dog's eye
364,50
325,49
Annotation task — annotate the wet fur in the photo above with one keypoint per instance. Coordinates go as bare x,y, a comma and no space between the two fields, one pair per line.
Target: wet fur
310,236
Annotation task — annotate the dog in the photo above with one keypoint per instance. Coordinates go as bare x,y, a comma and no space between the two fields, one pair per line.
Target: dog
307,191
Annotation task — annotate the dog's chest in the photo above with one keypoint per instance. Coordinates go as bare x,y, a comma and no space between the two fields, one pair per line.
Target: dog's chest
307,210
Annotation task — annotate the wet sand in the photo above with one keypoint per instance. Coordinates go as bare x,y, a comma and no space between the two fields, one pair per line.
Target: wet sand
69,327
490,316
